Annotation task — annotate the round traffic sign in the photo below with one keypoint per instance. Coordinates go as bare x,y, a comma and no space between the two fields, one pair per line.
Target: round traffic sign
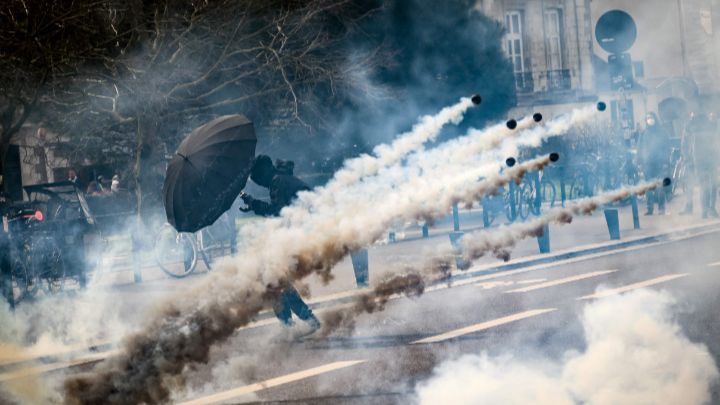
616,31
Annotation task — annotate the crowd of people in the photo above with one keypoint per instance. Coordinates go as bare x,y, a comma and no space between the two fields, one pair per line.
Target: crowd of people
699,152
99,186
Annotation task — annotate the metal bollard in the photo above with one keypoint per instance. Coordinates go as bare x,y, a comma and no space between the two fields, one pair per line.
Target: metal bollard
456,218
391,237
135,251
635,213
455,242
425,231
544,240
613,223
360,267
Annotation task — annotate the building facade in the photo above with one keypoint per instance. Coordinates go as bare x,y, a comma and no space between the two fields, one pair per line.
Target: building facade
676,58
549,43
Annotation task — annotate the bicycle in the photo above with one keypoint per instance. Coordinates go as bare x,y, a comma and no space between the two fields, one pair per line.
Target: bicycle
177,253
36,259
535,190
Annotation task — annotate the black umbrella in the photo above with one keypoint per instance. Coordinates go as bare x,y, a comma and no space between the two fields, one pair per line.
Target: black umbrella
208,171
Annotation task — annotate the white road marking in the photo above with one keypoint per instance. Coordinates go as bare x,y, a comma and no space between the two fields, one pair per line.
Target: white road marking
46,368
531,281
273,382
716,264
483,326
475,279
635,286
561,281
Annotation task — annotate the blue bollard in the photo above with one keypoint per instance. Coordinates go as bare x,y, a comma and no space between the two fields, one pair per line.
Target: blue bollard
456,219
613,223
455,242
544,240
391,237
425,231
636,214
360,267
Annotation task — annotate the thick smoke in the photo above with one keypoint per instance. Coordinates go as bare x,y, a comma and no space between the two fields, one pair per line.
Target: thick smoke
437,266
281,249
635,353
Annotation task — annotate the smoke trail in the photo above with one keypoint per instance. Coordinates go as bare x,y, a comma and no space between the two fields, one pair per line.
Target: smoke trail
475,245
384,155
462,156
634,354
182,331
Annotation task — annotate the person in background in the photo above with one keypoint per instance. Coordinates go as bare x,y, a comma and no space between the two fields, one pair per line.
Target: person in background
687,156
72,176
115,184
97,187
654,149
6,288
703,137
284,187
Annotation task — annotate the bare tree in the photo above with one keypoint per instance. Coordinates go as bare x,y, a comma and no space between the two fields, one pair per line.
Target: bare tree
41,42
177,62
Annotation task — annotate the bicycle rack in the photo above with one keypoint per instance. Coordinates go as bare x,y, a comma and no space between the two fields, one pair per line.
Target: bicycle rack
544,239
635,213
360,265
613,222
456,218
455,242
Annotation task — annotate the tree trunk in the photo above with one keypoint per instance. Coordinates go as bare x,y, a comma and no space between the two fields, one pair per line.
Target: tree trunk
148,179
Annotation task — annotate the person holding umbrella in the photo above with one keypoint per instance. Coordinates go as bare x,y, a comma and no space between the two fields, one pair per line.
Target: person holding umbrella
208,171
284,187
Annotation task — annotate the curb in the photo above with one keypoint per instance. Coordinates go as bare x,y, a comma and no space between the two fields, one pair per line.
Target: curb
548,258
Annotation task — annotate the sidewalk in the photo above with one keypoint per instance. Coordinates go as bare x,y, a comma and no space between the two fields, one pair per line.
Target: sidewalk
410,248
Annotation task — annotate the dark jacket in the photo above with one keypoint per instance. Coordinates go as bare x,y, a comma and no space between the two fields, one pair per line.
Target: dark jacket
703,142
654,148
283,190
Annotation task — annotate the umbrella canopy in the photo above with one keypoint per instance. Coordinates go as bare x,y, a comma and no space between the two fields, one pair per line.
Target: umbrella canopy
208,171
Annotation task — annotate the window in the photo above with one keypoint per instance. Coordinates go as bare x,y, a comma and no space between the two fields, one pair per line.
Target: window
514,41
553,38
514,49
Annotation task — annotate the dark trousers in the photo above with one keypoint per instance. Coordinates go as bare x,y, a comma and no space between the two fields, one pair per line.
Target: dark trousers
708,188
290,302
6,288
656,196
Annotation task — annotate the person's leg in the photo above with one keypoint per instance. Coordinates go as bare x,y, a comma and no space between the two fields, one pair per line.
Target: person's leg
299,307
661,195
713,192
650,195
6,289
705,186
282,309
688,188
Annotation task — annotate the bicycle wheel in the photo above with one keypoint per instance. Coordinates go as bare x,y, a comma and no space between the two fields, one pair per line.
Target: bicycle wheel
510,201
208,245
488,212
175,253
23,285
548,192
48,265
526,201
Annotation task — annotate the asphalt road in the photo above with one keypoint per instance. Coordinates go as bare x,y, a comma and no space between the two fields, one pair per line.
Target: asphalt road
527,313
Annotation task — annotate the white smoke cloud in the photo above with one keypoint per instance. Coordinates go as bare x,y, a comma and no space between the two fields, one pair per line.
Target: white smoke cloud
635,353
302,241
